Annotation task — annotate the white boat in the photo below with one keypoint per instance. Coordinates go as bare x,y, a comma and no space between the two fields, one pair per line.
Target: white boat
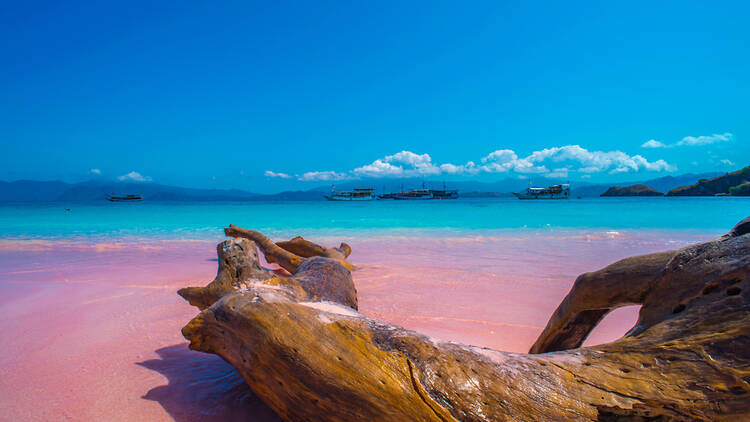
361,194
551,192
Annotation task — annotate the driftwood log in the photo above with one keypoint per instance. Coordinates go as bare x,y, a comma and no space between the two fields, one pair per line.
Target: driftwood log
303,348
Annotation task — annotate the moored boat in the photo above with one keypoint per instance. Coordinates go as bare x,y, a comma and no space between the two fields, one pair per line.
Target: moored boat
421,194
550,192
414,194
444,194
123,198
359,194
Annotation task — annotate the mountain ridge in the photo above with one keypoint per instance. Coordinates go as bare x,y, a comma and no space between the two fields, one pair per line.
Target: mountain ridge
92,190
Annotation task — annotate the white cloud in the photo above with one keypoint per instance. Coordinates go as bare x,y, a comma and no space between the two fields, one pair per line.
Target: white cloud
401,164
568,158
408,157
134,176
504,160
727,162
96,171
469,168
589,161
501,155
269,173
323,175
653,144
379,168
705,139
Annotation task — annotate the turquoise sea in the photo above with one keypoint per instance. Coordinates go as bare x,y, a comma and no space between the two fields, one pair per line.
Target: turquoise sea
474,216
90,288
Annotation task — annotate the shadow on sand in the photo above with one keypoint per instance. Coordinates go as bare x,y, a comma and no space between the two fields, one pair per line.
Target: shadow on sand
202,387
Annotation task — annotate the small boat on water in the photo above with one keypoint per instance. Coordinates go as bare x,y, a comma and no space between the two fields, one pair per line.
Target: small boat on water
123,198
360,194
444,193
551,192
387,196
414,194
422,194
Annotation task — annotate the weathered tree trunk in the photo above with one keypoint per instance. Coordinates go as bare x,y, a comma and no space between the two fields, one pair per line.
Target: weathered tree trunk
304,349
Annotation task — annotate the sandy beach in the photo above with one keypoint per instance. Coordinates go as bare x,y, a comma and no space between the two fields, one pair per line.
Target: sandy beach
92,329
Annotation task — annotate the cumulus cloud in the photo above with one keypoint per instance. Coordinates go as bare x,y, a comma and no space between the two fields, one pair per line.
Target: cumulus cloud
408,157
588,161
705,139
563,160
134,176
504,160
468,168
96,171
653,144
379,168
727,162
323,176
401,164
690,141
269,173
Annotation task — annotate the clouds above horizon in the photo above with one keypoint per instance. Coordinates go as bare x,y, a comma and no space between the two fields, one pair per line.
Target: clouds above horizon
269,173
705,140
653,144
324,176
691,141
134,176
562,160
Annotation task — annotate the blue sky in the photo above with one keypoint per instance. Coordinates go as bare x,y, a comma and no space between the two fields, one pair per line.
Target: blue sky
282,95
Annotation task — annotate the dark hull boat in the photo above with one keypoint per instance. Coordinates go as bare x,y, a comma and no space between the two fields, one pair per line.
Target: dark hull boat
362,194
124,198
414,195
444,194
551,192
421,194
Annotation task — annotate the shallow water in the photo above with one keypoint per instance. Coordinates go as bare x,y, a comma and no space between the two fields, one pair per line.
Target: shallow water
477,216
91,319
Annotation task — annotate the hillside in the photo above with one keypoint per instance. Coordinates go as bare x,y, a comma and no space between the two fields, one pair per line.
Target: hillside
43,191
48,191
740,190
660,184
714,186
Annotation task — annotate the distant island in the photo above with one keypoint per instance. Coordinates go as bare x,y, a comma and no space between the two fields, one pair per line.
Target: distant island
633,190
736,183
99,190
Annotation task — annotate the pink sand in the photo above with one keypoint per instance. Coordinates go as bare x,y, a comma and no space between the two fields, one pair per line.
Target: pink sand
91,331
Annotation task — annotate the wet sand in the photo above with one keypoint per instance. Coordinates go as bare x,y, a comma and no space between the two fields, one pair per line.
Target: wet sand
91,330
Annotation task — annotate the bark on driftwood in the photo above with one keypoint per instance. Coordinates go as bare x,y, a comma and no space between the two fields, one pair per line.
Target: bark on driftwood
304,349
